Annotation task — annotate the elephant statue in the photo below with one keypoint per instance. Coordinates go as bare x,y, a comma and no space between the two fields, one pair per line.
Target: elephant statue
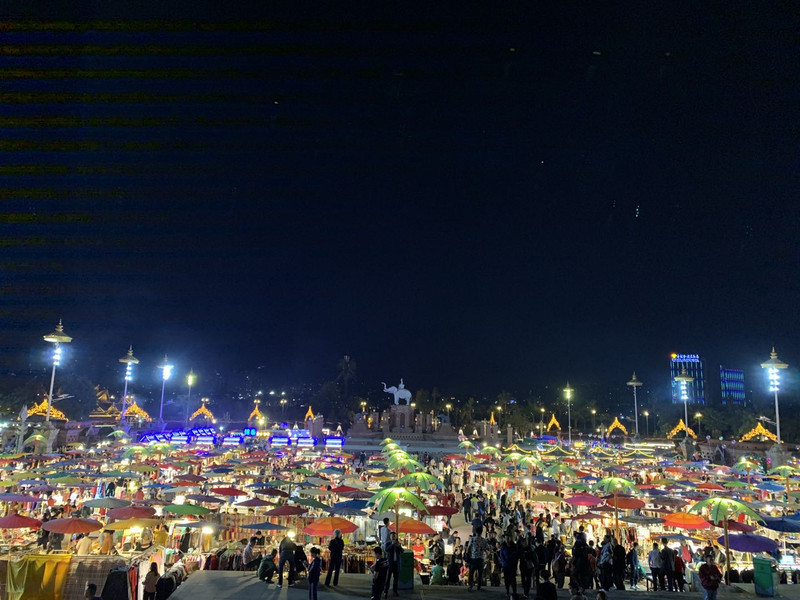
399,392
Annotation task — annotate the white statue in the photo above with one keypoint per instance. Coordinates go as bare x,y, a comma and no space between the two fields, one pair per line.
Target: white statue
398,392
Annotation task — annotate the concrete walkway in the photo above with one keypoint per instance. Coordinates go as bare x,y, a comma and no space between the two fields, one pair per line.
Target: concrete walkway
229,585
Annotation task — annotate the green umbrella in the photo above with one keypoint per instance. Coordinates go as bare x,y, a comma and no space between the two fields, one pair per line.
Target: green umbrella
387,441
735,484
393,498
304,471
106,503
311,502
186,509
559,470
722,509
420,480
615,485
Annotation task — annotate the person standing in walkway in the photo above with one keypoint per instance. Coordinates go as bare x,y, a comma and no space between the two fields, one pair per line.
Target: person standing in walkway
618,564
150,581
392,552
654,562
668,565
380,570
287,550
509,560
633,563
314,568
335,550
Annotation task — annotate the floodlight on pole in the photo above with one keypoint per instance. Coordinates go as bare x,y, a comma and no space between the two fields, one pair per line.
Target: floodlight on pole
635,383
166,373
683,381
129,360
773,367
56,338
190,379
568,395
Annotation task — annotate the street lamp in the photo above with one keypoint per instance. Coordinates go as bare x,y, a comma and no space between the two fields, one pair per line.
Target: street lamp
190,379
541,421
647,423
56,338
448,407
683,381
773,367
635,383
283,406
697,417
568,395
594,414
363,406
128,360
166,373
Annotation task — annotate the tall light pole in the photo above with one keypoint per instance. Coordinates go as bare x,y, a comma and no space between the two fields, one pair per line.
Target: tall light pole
647,423
166,373
190,379
128,360
568,395
56,338
594,415
773,367
683,381
635,383
697,417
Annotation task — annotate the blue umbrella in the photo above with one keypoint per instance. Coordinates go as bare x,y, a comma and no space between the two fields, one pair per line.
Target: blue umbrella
746,542
769,486
265,526
782,524
354,504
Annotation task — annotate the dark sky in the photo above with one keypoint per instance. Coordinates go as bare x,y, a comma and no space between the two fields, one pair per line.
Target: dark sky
500,198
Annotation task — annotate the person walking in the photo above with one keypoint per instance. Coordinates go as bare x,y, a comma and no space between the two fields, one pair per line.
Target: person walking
509,560
477,553
605,564
680,573
710,578
527,565
314,569
335,550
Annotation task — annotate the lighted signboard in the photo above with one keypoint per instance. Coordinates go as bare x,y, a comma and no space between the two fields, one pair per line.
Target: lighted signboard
232,440
250,432
279,440
206,440
180,437
305,442
334,442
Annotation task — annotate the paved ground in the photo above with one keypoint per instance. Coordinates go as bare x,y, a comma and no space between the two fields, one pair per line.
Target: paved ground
229,585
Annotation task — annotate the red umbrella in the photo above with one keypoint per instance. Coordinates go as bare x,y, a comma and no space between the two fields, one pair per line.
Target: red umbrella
286,510
736,526
274,492
590,515
73,525
16,521
626,502
546,487
254,502
228,491
440,511
343,488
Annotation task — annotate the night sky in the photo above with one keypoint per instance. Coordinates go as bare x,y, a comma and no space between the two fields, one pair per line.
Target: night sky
502,198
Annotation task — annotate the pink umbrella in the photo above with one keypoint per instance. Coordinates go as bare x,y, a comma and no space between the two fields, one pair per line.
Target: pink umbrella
228,491
254,502
584,500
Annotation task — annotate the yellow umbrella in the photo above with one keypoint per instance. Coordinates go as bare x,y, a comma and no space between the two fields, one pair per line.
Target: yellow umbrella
546,498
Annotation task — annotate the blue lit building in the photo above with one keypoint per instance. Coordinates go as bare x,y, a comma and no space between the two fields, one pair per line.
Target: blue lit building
694,368
731,383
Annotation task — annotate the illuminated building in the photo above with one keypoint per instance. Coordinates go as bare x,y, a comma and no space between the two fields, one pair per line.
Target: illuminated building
693,366
731,383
